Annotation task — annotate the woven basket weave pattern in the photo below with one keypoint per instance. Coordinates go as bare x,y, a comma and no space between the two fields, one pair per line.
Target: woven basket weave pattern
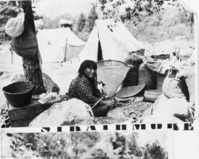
111,73
152,95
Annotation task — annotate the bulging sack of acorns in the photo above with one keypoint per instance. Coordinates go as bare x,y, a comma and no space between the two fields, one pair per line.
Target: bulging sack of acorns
173,87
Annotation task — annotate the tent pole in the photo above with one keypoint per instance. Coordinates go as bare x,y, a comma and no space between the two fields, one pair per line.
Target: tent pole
65,50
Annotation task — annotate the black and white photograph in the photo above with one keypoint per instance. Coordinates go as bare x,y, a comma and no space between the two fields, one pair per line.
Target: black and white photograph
72,62
86,145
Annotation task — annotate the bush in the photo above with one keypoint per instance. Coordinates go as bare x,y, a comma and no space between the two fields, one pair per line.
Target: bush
54,23
51,24
81,22
167,24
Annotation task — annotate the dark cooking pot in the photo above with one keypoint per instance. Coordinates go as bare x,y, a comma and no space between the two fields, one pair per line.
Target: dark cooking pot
18,94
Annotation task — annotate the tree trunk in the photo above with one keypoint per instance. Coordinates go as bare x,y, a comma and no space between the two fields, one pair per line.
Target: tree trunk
32,69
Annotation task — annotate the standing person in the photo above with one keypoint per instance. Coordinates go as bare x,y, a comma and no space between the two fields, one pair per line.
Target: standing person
84,87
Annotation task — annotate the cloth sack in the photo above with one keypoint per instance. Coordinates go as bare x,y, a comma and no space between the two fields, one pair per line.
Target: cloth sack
134,59
28,53
165,110
15,26
132,75
173,87
131,78
26,44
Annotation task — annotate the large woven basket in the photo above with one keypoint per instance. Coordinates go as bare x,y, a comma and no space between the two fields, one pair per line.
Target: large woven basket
112,74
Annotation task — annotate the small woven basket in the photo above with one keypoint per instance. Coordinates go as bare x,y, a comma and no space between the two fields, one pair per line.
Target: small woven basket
151,95
111,73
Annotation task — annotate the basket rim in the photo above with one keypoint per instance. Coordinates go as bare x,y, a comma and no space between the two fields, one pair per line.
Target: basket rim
113,61
152,91
15,83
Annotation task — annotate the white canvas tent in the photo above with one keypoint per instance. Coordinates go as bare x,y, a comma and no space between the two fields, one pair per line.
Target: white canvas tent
58,45
114,40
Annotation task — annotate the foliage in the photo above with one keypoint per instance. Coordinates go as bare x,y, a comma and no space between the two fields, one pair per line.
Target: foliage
54,23
45,146
91,19
99,154
7,10
147,20
136,9
53,145
78,144
119,143
50,24
85,25
144,17
23,145
154,151
82,142
166,24
81,22
133,145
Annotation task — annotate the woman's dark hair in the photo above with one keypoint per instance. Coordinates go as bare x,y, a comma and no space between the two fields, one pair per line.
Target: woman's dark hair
86,64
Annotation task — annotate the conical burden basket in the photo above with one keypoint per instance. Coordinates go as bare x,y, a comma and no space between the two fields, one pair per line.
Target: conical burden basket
112,74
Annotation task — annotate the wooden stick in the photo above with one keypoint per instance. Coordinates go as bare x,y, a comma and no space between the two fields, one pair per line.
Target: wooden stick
98,101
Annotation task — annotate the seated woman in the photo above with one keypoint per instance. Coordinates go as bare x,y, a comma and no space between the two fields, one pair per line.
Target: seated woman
84,87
